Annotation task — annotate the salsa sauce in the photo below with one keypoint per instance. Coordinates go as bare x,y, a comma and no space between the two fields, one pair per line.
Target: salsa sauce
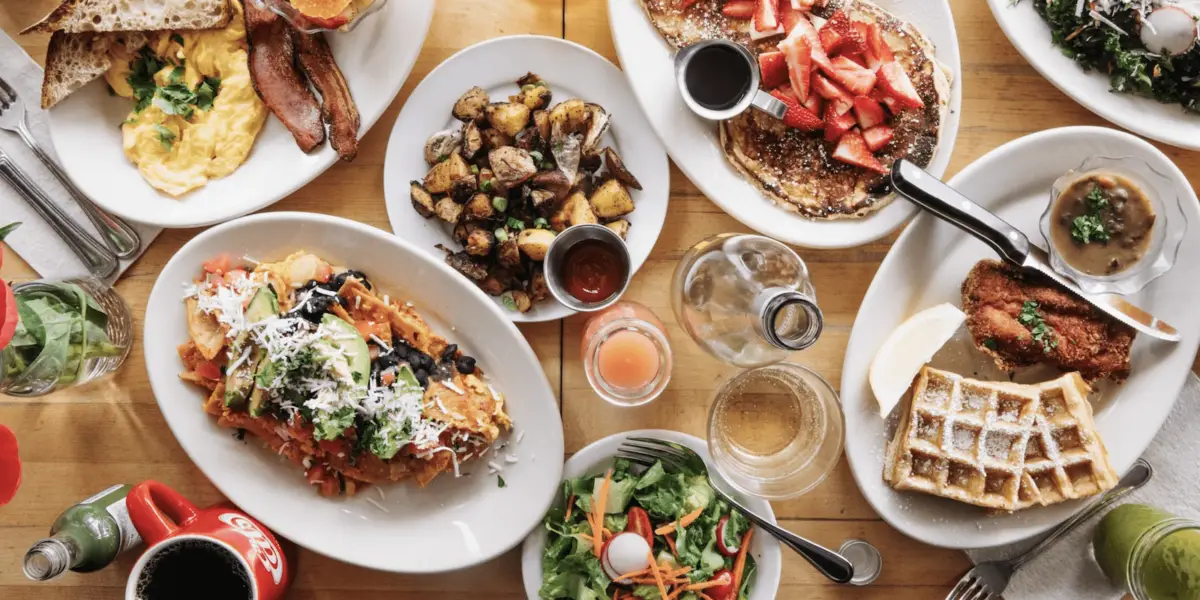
1102,224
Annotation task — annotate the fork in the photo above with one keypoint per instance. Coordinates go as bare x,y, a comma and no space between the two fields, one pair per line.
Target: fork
116,233
677,457
988,580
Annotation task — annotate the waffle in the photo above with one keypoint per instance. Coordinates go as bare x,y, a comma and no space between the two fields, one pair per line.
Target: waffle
1003,446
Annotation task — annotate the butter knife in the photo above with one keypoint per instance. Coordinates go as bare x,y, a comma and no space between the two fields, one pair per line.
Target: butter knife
931,194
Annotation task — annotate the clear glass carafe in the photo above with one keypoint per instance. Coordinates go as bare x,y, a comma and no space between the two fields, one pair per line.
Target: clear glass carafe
746,299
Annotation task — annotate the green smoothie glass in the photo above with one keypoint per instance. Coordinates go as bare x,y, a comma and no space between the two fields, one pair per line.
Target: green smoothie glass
1151,553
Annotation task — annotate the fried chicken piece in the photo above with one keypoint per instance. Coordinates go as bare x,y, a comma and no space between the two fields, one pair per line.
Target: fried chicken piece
337,106
1081,337
280,85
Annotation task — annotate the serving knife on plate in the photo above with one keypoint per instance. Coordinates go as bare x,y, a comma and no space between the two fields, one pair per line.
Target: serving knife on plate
931,194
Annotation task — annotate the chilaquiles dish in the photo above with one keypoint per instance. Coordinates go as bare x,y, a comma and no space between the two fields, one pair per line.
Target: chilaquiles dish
334,374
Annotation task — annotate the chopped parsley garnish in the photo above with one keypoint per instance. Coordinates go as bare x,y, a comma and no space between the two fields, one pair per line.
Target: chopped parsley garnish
1033,321
1089,228
1096,199
165,136
175,98
500,482
206,92
990,344
141,78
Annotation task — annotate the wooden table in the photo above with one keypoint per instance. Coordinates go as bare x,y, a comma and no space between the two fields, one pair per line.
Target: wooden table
80,441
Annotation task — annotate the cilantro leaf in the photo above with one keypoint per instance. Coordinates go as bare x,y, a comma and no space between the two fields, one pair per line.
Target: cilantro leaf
176,99
165,136
206,92
141,78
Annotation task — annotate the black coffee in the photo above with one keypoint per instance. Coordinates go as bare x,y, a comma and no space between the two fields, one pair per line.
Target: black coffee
718,77
194,570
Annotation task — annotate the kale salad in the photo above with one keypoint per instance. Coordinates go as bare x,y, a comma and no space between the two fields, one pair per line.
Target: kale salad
633,533
1146,47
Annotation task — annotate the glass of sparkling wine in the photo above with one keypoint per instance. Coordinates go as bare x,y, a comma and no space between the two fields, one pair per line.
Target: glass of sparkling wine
776,431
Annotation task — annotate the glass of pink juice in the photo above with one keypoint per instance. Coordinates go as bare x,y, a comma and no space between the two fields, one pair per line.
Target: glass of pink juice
626,355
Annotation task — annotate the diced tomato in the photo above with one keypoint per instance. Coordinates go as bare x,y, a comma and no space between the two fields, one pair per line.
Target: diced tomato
315,474
836,94
813,104
209,370
335,447
787,90
798,52
868,111
324,272
805,28
878,52
883,98
797,116
742,10
10,465
857,80
766,15
773,69
852,149
722,592
218,264
836,124
877,137
639,523
894,80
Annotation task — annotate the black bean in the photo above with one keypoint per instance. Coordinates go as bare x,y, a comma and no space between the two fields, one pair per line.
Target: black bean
465,365
386,360
422,377
340,279
421,360
315,307
449,352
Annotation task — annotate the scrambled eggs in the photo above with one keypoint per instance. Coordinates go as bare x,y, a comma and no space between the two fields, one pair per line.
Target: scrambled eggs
197,114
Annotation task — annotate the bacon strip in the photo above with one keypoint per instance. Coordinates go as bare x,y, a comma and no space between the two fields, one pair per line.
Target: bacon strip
281,87
337,106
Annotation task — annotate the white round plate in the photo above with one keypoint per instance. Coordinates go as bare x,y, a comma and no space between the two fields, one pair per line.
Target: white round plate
375,59
1167,123
927,266
694,143
572,71
598,455
458,522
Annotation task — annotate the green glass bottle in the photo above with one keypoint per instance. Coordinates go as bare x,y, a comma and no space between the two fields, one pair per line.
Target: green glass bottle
85,537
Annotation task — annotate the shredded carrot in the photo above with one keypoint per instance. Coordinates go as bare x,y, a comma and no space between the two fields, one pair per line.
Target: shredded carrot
632,574
662,588
671,545
703,596
598,512
740,564
703,585
570,507
679,572
687,519
675,594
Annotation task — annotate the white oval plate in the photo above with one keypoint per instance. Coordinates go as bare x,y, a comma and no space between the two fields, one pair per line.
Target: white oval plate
598,455
375,58
572,71
1167,123
451,523
927,266
694,143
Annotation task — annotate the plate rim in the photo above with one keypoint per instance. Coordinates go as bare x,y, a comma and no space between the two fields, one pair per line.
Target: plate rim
398,211
836,238
377,235
326,158
880,505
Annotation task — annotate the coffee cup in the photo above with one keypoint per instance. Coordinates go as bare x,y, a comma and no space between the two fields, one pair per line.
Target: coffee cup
719,80
214,552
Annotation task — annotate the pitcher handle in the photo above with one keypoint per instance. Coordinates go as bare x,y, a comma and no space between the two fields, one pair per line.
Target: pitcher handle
159,512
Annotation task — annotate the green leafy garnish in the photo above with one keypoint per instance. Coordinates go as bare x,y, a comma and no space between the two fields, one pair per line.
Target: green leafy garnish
60,328
165,136
500,482
1096,199
206,92
990,344
1088,228
178,39
1033,321
141,78
7,229
515,223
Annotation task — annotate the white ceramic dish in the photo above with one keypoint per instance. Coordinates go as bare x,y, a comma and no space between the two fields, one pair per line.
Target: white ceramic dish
572,71
927,266
598,455
375,59
693,143
459,522
1167,123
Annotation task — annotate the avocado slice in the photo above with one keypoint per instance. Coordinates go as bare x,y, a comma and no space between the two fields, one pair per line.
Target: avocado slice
239,382
346,338
258,398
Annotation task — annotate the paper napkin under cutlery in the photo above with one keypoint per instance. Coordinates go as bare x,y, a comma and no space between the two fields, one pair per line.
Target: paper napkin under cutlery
35,241
1066,571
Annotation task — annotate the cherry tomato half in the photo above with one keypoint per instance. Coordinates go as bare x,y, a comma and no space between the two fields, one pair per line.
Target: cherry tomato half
722,592
639,523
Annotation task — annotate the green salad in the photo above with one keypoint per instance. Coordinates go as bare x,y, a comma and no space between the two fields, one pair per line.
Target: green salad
696,539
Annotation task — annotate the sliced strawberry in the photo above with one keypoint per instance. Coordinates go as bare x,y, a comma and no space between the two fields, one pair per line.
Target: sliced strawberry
774,69
798,52
789,15
856,79
841,34
852,149
803,5
813,104
877,137
797,116
831,40
10,465
857,58
805,28
742,10
838,97
786,90
894,80
883,98
836,124
868,111
766,16
878,51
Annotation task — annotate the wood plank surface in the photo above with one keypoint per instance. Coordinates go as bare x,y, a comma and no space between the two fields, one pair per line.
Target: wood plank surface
79,441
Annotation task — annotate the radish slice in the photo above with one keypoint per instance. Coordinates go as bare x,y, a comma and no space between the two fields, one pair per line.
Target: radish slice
626,552
1169,29
722,546
10,465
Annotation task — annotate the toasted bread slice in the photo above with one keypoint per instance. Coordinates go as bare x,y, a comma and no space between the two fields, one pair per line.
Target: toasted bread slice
77,16
74,59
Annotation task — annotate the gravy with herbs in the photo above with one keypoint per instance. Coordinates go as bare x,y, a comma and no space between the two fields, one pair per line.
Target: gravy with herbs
1101,224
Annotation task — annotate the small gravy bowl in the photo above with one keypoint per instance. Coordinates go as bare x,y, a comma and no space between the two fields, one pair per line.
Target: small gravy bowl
1165,236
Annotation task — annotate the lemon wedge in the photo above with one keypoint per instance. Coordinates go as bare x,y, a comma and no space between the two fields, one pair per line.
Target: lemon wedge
907,349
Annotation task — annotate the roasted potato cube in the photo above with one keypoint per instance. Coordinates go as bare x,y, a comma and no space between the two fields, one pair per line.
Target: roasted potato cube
529,78
508,254
479,242
554,182
472,105
538,289
422,200
480,207
472,140
492,285
463,263
508,118
542,201
541,120
494,138
463,189
518,300
590,163
534,243
441,145
533,95
443,175
512,166
619,227
611,200
616,168
569,117
462,231
448,210
575,211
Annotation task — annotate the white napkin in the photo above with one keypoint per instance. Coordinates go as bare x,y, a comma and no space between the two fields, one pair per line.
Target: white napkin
35,241
1066,571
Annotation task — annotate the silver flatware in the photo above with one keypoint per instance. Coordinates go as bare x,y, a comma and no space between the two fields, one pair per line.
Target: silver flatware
988,580
116,233
677,457
931,194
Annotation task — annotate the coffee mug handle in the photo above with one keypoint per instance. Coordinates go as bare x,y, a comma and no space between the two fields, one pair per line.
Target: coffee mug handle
159,512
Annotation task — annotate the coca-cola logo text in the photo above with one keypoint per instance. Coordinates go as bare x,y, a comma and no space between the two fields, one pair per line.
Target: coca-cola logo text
268,554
